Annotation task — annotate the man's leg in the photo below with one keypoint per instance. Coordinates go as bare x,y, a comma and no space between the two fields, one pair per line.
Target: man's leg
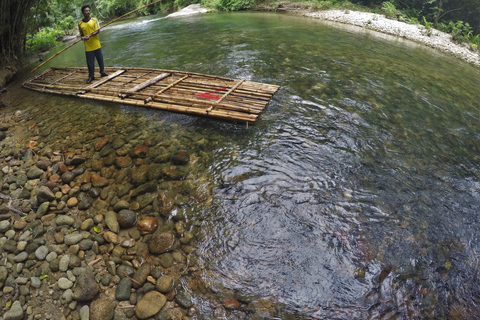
91,65
99,56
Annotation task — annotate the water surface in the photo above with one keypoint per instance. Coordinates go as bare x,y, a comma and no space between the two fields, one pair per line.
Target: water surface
357,193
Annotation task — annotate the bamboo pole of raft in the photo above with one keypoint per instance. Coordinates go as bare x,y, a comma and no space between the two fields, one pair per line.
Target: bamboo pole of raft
56,54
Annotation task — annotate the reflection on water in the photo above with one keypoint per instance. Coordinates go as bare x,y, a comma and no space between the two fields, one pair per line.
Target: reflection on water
356,196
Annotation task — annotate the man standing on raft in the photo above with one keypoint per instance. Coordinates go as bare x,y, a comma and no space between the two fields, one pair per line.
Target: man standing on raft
89,30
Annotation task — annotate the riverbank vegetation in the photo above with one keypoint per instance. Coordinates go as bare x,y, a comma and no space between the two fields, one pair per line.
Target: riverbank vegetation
32,26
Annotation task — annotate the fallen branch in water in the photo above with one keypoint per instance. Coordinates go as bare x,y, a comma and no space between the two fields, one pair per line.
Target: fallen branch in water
10,206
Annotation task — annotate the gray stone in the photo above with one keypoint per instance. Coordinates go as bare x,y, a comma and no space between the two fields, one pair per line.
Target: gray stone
184,299
35,282
41,252
77,160
45,194
64,261
64,283
102,309
68,177
21,179
126,218
43,209
86,287
64,220
5,226
161,243
3,275
122,292
111,221
15,312
34,172
22,256
150,304
73,238
164,284
85,312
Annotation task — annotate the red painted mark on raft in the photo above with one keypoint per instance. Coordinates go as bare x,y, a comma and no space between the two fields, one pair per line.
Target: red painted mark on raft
208,95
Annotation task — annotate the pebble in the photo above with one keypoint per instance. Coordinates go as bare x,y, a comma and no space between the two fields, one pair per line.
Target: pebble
41,253
85,312
73,238
64,283
150,304
122,292
15,312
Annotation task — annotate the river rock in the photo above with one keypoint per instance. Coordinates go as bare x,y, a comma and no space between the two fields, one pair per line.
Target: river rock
41,253
150,304
64,220
120,205
43,164
110,237
126,218
86,287
84,312
122,292
34,172
2,135
147,225
101,143
111,221
22,256
3,275
161,243
99,181
72,202
164,284
123,162
64,283
43,209
76,160
231,303
139,152
141,275
181,158
102,309
150,186
15,312
73,238
45,194
5,226
184,299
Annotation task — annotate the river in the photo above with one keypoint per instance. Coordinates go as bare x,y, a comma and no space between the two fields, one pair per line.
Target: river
355,196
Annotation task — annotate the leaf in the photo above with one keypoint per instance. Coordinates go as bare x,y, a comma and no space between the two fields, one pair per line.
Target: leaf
43,276
97,229
8,304
448,265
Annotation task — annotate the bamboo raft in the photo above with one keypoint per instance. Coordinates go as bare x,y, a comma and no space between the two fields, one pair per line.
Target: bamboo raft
176,91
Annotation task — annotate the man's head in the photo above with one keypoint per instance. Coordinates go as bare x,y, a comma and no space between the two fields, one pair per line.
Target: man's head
86,11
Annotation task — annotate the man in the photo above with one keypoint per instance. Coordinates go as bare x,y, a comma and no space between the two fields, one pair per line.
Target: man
89,30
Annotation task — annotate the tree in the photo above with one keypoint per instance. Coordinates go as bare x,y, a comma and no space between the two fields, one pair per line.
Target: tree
13,28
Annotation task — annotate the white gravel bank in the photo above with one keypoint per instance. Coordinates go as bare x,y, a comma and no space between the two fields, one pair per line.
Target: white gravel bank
438,40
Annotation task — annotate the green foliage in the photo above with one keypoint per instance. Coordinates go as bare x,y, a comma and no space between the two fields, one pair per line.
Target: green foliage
390,10
234,5
461,31
44,39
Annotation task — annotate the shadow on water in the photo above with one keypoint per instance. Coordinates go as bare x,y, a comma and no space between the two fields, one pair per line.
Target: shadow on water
356,195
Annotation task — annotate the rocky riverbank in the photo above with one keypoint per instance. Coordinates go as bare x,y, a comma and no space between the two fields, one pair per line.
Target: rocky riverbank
429,37
100,221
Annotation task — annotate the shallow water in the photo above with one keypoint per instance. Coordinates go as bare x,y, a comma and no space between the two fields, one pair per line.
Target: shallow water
357,193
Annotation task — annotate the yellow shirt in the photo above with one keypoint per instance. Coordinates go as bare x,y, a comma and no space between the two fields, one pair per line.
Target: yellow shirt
86,28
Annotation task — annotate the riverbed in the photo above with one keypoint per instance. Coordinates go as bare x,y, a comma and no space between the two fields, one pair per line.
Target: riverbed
353,197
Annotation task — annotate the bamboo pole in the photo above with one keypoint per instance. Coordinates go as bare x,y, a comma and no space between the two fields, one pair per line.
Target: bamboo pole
56,54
